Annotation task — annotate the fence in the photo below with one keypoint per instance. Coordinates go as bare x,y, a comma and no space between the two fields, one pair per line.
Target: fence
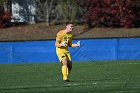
90,50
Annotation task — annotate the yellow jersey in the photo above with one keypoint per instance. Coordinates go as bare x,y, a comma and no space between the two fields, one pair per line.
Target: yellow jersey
63,36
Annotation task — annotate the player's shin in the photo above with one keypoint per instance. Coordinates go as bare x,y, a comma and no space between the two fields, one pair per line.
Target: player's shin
69,68
64,72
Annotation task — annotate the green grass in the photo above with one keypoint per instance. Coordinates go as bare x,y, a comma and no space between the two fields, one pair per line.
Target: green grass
86,77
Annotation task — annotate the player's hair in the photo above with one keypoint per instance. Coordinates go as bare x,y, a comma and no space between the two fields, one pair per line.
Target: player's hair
67,23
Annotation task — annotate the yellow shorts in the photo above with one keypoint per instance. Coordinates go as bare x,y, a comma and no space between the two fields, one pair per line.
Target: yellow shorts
63,55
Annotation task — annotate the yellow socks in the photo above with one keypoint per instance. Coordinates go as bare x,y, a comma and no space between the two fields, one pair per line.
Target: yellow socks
65,72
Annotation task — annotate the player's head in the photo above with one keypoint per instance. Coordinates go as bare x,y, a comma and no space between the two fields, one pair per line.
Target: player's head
69,26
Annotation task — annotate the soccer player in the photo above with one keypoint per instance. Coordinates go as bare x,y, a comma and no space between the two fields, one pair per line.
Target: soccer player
63,41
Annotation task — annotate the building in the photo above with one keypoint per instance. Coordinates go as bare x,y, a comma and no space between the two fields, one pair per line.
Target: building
23,11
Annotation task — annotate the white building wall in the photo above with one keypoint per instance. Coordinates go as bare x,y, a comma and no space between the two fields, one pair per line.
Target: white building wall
23,11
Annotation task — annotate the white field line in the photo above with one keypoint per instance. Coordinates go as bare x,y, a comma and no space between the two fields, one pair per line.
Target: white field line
128,91
133,63
62,85
50,85
59,85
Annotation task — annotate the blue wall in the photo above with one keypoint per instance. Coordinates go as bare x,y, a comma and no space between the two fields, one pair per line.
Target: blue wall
90,50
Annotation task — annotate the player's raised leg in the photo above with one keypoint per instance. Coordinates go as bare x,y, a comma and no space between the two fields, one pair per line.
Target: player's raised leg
69,65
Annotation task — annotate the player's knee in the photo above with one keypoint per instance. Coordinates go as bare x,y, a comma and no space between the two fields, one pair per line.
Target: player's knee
64,62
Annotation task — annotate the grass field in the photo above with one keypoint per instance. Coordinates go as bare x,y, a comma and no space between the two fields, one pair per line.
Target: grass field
86,77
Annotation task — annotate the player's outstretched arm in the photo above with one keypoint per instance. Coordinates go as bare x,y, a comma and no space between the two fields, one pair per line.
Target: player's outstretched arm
73,45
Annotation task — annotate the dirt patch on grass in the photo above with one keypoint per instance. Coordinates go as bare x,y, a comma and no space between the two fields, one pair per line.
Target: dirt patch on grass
42,32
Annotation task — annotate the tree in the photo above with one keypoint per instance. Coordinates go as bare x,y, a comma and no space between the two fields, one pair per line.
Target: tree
5,14
45,9
110,13
1,2
68,9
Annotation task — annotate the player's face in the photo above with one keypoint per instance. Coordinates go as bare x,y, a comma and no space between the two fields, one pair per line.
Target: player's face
69,27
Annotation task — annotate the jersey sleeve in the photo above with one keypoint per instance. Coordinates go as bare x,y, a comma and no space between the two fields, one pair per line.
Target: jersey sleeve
58,40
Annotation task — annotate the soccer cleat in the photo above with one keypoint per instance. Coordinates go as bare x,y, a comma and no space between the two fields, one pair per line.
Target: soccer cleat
66,80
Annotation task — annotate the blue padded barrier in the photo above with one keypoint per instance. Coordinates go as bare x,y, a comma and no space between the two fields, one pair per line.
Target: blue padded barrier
90,50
